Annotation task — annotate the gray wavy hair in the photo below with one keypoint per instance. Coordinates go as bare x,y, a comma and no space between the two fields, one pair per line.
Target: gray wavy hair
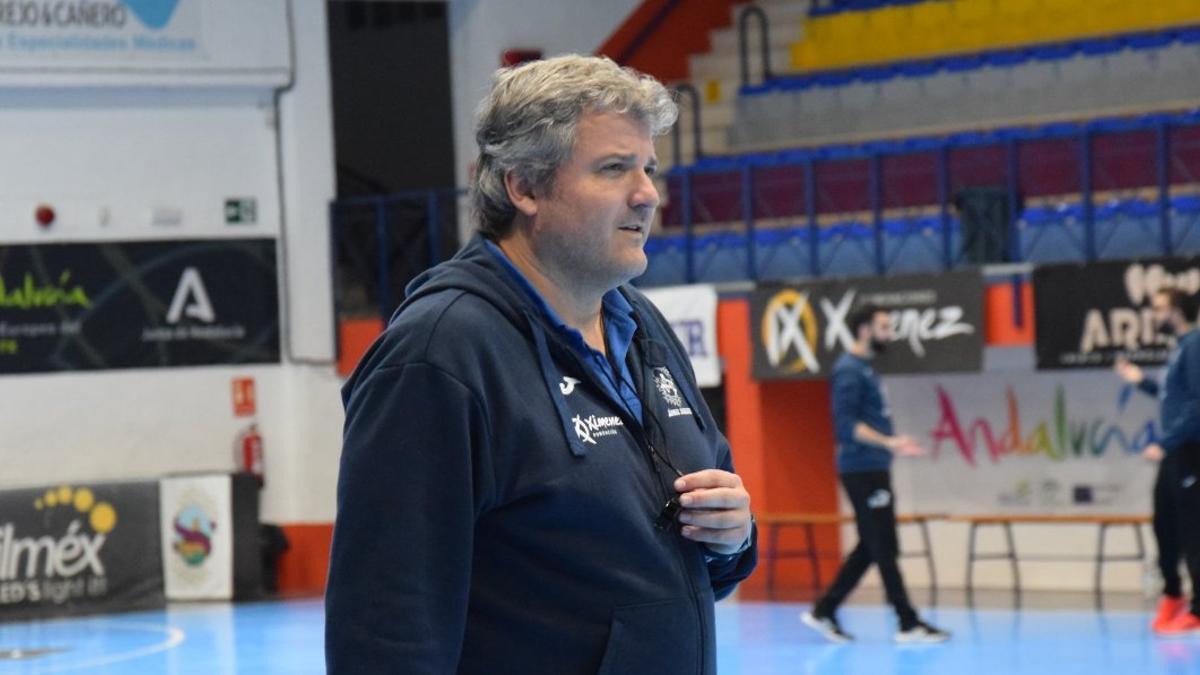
528,123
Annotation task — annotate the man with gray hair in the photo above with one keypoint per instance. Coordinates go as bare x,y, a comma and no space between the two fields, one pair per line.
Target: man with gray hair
530,479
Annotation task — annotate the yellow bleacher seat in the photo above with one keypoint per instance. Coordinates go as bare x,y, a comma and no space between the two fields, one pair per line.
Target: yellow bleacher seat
943,27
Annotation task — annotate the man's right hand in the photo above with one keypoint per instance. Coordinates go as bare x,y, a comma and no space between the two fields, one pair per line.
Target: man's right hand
1154,452
1128,371
906,446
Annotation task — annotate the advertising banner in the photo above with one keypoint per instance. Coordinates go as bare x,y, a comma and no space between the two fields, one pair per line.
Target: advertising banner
139,42
74,549
97,306
1086,315
799,330
1019,442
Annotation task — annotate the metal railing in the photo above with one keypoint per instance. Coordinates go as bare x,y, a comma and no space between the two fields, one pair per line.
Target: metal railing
381,243
1105,171
697,129
764,34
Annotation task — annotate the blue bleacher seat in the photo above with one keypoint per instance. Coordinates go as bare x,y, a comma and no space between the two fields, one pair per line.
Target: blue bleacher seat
847,249
877,74
1151,40
913,245
1046,235
1185,223
1188,35
1127,229
784,253
918,68
1007,58
1057,52
1101,47
956,64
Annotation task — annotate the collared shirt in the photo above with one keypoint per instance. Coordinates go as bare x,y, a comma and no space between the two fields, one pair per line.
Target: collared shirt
619,327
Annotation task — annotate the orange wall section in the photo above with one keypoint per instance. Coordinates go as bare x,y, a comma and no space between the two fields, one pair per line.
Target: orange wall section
781,434
684,31
355,337
304,566
1000,325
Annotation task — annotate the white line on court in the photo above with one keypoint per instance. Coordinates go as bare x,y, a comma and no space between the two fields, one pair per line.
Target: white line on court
174,638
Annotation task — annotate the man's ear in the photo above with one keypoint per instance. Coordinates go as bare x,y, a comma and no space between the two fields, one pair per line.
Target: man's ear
520,193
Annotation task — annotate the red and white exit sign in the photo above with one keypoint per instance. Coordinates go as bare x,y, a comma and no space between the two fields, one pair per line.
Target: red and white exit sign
244,401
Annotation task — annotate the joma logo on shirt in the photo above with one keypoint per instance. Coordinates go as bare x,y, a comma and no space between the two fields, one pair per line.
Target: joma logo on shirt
591,427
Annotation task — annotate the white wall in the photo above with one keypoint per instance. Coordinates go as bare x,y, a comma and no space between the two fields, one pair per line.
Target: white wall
311,433
123,144
480,30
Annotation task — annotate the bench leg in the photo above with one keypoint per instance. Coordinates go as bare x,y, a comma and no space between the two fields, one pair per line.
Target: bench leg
1012,557
971,565
773,548
813,560
1141,545
1100,568
933,586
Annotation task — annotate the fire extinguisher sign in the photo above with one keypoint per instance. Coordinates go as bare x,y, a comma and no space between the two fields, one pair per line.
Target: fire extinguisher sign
244,402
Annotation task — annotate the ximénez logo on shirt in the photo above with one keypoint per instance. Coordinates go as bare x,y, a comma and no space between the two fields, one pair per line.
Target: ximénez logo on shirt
589,428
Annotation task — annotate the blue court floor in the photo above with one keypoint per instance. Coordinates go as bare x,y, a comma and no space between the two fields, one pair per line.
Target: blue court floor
753,638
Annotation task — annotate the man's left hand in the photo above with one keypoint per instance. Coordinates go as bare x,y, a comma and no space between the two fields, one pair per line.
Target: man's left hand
716,510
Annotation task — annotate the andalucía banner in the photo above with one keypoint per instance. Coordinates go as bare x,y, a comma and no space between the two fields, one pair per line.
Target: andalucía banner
1062,442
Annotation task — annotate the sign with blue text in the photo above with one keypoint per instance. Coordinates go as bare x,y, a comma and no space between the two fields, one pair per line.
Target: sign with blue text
692,313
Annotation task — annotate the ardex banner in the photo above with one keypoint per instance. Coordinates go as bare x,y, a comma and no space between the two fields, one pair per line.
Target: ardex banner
799,330
197,537
97,306
692,313
74,549
1088,314
1020,442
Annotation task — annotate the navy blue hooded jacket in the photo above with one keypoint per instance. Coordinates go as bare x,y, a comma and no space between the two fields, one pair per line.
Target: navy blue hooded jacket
496,509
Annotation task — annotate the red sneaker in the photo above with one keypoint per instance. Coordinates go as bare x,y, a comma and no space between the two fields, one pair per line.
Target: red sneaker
1182,625
1168,609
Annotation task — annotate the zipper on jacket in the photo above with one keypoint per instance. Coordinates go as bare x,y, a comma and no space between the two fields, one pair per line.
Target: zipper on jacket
638,430
677,546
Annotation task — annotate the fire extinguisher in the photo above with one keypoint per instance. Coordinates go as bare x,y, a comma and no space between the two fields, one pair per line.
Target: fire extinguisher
249,453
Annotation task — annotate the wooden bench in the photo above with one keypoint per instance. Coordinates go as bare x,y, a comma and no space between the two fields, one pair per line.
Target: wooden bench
1006,522
773,523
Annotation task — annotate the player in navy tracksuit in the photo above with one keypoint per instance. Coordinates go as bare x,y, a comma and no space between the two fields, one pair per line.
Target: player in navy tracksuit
1176,493
530,480
867,444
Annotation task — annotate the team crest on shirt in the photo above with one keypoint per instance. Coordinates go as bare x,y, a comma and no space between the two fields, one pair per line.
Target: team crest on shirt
670,393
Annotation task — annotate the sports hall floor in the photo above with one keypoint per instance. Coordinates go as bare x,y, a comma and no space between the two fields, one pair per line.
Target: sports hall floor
753,637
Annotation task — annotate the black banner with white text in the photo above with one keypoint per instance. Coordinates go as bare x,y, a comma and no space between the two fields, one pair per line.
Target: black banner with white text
146,304
72,549
799,330
1087,315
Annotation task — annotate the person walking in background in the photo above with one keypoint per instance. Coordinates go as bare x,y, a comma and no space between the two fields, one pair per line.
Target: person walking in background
867,443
